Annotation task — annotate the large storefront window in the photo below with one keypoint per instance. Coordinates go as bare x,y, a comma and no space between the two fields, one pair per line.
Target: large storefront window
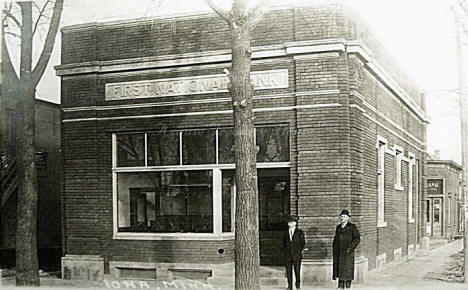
165,202
183,182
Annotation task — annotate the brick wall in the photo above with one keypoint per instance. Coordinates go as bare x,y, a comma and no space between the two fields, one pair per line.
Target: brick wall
381,114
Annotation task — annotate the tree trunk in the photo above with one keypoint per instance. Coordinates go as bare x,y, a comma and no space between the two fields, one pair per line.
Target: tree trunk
27,268
247,235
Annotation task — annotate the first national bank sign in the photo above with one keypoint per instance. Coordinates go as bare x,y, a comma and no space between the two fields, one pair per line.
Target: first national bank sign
269,79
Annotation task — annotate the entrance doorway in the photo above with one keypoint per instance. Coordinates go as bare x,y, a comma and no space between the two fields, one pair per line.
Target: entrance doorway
437,217
274,205
273,199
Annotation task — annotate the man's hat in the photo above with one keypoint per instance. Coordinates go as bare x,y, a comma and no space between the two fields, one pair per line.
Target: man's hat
345,212
292,218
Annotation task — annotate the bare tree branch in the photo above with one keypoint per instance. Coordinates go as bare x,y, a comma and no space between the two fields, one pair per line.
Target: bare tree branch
12,34
226,16
158,3
9,15
461,13
48,44
8,71
6,11
41,14
256,14
35,5
464,5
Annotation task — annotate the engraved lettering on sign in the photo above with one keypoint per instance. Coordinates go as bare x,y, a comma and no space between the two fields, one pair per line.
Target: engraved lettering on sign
261,80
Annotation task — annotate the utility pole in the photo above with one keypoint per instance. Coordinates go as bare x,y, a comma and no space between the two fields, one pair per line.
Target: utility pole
463,119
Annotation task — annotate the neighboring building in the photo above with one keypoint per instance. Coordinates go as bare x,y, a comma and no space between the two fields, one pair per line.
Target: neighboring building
147,138
444,203
47,139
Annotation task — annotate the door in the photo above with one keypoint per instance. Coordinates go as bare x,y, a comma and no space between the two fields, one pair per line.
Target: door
436,217
273,193
273,199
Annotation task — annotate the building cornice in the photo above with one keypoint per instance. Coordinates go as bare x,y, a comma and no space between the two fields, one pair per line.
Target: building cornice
294,49
445,162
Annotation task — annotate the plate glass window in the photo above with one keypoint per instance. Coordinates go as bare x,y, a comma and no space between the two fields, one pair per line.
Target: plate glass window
165,202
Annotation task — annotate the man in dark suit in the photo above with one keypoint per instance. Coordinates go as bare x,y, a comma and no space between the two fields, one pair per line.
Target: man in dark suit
346,240
293,245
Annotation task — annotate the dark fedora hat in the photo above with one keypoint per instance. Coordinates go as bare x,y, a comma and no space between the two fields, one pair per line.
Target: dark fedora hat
292,218
345,212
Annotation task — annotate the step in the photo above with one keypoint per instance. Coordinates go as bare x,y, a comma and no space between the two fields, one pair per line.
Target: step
263,281
272,272
274,282
220,280
265,272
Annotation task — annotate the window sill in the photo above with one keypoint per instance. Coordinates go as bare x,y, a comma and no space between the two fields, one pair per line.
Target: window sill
411,221
381,224
174,236
399,187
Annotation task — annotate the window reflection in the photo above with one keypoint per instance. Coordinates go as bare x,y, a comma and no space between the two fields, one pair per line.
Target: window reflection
228,200
199,147
226,146
163,148
130,150
273,143
165,202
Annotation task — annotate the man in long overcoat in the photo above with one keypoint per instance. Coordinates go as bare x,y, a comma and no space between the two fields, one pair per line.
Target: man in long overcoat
293,245
346,240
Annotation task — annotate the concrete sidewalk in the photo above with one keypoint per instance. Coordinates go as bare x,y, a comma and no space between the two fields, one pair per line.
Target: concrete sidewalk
413,274
416,273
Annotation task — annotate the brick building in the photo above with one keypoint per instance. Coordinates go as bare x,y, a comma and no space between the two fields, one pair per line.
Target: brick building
47,142
444,203
146,132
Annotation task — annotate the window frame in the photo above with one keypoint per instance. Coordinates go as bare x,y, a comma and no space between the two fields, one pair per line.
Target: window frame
398,171
381,146
411,208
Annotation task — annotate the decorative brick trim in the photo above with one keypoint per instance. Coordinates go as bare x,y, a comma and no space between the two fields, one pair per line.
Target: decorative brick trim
198,113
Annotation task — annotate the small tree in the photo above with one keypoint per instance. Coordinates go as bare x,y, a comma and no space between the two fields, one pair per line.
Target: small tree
241,22
24,87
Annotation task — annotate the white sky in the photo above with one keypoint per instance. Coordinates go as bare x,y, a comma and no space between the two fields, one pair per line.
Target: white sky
418,33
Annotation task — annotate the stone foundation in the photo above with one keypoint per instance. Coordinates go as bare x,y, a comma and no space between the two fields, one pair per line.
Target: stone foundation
169,271
381,261
397,255
411,252
319,272
425,243
83,267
